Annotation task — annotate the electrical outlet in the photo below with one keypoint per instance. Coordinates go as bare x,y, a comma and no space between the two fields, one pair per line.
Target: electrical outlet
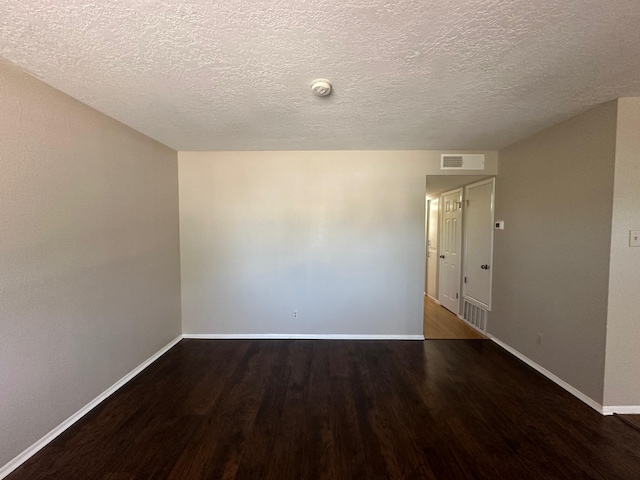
539,339
296,314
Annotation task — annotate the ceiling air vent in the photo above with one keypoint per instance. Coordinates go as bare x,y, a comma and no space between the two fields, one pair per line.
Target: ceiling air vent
464,161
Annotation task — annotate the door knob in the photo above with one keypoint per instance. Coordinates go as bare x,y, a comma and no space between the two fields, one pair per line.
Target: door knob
484,267
441,256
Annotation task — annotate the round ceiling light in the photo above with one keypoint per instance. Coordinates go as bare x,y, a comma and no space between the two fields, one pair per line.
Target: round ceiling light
321,87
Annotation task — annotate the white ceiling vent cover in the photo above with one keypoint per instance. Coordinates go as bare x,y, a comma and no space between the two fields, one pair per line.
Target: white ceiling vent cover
462,161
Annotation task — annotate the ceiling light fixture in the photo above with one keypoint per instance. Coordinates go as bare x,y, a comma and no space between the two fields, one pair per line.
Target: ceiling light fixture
321,87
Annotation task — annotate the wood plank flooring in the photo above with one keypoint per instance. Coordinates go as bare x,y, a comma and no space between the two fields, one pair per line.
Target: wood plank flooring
631,420
440,323
312,409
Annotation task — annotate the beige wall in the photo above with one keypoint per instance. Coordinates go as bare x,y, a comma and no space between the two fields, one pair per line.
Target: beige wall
89,262
338,236
622,380
551,264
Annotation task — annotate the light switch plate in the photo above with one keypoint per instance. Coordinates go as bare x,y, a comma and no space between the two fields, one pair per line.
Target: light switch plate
634,238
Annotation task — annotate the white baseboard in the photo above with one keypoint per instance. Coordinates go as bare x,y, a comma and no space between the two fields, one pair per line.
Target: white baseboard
296,336
557,380
433,298
621,410
36,447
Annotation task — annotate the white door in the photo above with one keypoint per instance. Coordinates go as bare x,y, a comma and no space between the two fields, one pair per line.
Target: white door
479,200
450,250
432,249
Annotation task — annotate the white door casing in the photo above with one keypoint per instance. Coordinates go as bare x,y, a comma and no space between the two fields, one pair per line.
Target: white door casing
450,250
478,242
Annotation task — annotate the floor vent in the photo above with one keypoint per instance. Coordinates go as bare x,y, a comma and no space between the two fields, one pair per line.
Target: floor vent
475,315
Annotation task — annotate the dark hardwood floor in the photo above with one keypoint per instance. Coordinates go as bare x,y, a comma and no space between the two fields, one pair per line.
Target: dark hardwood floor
631,420
444,409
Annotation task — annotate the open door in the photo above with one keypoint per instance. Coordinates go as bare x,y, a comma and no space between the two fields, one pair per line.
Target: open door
450,250
478,240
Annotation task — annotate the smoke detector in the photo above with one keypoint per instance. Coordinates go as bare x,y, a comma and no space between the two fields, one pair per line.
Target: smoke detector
321,87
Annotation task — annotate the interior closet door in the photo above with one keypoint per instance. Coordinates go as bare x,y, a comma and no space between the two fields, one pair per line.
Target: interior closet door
450,250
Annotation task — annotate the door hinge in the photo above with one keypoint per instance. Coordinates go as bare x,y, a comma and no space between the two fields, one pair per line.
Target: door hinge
466,203
456,296
465,279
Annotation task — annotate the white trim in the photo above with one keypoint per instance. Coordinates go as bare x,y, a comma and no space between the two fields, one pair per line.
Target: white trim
36,447
621,410
572,390
297,336
434,299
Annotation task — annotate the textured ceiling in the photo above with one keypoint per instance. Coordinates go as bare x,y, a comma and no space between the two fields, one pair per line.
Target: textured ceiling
408,74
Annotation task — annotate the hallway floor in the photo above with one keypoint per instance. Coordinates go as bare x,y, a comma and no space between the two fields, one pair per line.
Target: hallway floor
440,323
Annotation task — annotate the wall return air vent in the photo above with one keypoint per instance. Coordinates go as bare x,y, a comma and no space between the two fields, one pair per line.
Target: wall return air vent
462,161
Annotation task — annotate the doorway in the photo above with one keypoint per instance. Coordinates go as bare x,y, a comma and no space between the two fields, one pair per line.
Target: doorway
431,280
446,300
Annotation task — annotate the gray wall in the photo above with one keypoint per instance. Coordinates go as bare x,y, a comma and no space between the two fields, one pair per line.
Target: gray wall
622,377
338,236
89,255
551,265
